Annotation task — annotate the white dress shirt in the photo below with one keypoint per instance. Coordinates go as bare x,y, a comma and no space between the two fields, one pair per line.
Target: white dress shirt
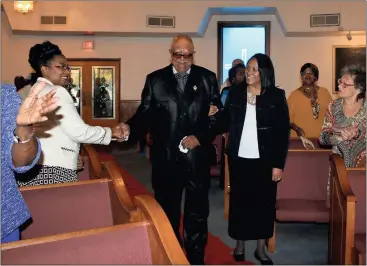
175,71
249,147
60,136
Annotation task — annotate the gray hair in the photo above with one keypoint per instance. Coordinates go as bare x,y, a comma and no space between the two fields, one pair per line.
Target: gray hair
358,73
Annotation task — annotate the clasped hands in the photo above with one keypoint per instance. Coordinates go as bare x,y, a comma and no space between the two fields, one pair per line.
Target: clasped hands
121,132
347,133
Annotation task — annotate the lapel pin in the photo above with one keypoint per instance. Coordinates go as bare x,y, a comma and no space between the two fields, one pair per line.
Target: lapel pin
195,88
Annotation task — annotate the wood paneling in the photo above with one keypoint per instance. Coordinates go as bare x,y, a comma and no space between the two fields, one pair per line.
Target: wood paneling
128,109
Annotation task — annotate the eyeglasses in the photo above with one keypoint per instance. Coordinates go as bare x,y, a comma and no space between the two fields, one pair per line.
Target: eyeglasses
61,67
180,55
307,73
344,85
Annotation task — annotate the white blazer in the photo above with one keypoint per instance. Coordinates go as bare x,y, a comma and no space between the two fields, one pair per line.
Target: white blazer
60,136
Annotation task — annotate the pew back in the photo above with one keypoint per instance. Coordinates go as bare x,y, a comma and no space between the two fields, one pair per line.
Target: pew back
302,193
80,205
149,241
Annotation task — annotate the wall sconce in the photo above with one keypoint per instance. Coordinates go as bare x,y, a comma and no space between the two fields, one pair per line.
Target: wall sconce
23,7
88,45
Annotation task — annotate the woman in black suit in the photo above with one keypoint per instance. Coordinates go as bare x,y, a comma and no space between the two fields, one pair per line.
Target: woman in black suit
256,116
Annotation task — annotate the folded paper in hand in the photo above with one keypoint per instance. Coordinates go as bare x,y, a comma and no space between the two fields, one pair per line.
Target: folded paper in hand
182,149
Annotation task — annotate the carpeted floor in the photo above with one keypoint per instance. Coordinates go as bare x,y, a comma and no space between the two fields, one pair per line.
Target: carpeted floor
216,252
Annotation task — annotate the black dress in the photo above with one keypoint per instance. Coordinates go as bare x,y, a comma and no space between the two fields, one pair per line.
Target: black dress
252,191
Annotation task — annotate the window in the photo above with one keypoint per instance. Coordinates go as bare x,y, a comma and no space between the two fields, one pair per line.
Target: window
240,40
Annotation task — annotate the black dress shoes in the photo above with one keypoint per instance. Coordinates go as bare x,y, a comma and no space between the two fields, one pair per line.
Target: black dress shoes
263,261
238,257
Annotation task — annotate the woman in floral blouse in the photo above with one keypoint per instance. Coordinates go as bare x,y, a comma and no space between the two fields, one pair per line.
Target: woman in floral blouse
345,119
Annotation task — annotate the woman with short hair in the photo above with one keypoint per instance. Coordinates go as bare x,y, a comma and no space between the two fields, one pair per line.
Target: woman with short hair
345,119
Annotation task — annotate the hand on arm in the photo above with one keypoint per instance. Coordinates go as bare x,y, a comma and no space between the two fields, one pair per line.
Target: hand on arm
215,105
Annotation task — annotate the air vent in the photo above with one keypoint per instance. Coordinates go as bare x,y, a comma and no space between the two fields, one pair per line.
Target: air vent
58,20
47,20
324,20
161,21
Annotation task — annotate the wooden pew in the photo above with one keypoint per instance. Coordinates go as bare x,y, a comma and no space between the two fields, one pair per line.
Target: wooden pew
347,238
87,173
148,241
302,193
79,205
94,160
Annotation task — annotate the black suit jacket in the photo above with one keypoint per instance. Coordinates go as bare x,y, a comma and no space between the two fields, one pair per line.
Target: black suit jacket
273,125
160,112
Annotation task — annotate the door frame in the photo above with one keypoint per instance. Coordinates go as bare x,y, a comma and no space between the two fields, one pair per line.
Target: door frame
118,75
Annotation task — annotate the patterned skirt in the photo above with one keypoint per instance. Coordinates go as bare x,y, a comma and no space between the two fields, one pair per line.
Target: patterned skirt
46,175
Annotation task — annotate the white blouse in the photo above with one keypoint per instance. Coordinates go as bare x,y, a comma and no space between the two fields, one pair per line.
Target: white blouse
249,147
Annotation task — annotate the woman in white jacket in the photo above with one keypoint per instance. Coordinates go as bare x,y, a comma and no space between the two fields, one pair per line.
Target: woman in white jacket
61,135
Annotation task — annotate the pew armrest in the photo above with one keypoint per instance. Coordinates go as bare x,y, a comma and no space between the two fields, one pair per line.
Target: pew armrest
164,244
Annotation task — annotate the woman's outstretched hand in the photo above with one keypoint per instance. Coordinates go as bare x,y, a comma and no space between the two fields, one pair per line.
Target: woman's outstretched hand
34,109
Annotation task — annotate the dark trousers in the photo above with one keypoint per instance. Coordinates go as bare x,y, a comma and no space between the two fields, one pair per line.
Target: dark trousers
190,173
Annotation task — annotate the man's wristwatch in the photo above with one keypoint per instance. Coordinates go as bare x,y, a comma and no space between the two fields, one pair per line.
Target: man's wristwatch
18,140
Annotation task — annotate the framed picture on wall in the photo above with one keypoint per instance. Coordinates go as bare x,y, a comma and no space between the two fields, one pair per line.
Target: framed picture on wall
346,55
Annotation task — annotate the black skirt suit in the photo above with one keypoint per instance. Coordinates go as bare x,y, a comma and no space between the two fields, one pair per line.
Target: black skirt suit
253,193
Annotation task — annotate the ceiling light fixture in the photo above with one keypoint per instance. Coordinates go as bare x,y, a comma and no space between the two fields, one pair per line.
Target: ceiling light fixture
23,7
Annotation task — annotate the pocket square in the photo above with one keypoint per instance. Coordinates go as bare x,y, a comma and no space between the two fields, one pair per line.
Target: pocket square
195,88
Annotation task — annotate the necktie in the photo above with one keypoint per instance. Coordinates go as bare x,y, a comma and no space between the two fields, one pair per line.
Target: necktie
181,79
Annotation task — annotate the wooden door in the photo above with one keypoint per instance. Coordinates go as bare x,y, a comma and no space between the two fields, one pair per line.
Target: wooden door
99,83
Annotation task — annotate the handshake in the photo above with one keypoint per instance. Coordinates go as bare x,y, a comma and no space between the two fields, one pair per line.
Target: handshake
120,132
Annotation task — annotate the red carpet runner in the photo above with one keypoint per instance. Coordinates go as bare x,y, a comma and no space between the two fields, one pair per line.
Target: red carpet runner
216,252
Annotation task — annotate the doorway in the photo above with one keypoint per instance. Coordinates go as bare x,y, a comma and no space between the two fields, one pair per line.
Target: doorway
96,85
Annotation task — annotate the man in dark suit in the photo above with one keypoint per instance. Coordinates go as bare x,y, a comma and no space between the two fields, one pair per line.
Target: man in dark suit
174,107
